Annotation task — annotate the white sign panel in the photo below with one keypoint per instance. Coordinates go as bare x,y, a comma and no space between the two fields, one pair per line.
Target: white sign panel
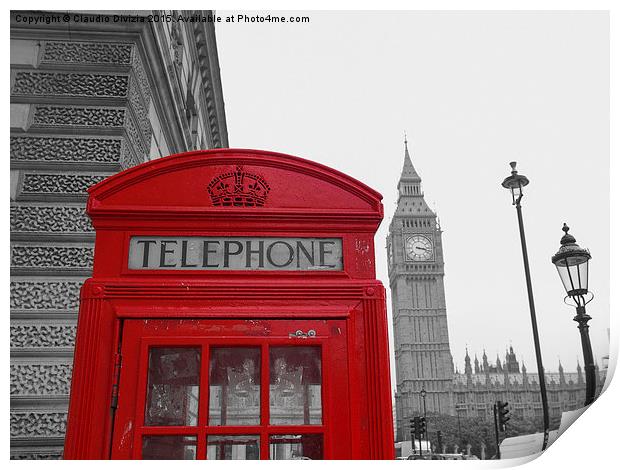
235,253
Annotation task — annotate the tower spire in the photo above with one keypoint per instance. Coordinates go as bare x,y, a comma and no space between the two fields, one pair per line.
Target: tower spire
409,174
407,148
410,183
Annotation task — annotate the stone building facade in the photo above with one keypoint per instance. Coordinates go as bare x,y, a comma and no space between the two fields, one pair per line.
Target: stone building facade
88,99
478,387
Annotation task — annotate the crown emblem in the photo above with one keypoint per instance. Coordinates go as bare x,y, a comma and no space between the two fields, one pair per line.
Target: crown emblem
238,188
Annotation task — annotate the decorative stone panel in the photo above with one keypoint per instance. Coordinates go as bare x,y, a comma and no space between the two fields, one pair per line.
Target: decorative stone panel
134,137
88,53
45,295
129,158
70,84
50,219
140,110
66,149
58,184
38,423
40,379
140,74
52,256
78,116
42,336
37,455
52,116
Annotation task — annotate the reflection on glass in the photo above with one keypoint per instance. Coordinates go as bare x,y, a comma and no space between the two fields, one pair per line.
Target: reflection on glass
234,386
233,448
296,447
169,447
295,385
172,391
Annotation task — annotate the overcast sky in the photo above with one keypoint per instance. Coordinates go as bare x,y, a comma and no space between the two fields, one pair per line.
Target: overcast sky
474,91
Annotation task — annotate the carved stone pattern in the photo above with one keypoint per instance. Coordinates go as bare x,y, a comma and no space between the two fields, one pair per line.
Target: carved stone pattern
141,110
49,219
140,75
37,455
65,149
135,139
38,424
52,256
43,336
40,379
59,184
71,84
76,116
129,158
87,53
45,295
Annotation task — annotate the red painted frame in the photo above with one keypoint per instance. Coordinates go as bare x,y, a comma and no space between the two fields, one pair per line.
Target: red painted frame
334,382
168,196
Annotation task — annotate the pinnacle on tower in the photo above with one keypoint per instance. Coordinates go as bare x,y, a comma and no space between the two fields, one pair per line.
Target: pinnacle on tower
561,371
579,373
468,370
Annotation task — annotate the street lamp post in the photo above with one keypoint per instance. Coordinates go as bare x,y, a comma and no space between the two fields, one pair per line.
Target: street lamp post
423,395
572,263
458,420
515,183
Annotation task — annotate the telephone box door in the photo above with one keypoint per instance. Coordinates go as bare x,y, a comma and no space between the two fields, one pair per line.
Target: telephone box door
233,389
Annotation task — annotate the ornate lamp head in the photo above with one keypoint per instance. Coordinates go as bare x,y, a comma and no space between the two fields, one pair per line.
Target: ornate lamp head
515,183
571,262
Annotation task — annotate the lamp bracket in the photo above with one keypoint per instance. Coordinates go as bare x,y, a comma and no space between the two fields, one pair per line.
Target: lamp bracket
579,300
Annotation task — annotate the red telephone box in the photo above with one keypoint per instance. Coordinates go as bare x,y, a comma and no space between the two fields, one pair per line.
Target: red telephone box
233,313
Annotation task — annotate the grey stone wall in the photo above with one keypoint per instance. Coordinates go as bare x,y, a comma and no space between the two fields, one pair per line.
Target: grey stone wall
86,102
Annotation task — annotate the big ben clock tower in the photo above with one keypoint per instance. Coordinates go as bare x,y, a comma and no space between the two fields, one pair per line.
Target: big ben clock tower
416,271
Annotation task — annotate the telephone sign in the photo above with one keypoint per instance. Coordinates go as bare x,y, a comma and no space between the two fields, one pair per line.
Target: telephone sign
235,253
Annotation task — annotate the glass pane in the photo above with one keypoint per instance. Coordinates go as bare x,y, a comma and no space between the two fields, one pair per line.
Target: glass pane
169,447
566,281
296,447
233,448
234,386
295,385
583,275
172,391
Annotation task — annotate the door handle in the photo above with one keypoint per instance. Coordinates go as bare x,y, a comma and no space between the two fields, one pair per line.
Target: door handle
301,334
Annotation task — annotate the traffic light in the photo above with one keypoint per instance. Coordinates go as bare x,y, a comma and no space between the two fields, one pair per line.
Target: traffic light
502,414
422,425
414,425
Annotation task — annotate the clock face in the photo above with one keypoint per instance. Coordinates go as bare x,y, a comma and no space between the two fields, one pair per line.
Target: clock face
419,248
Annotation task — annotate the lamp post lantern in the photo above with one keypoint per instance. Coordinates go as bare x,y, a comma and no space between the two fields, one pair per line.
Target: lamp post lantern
515,183
572,263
